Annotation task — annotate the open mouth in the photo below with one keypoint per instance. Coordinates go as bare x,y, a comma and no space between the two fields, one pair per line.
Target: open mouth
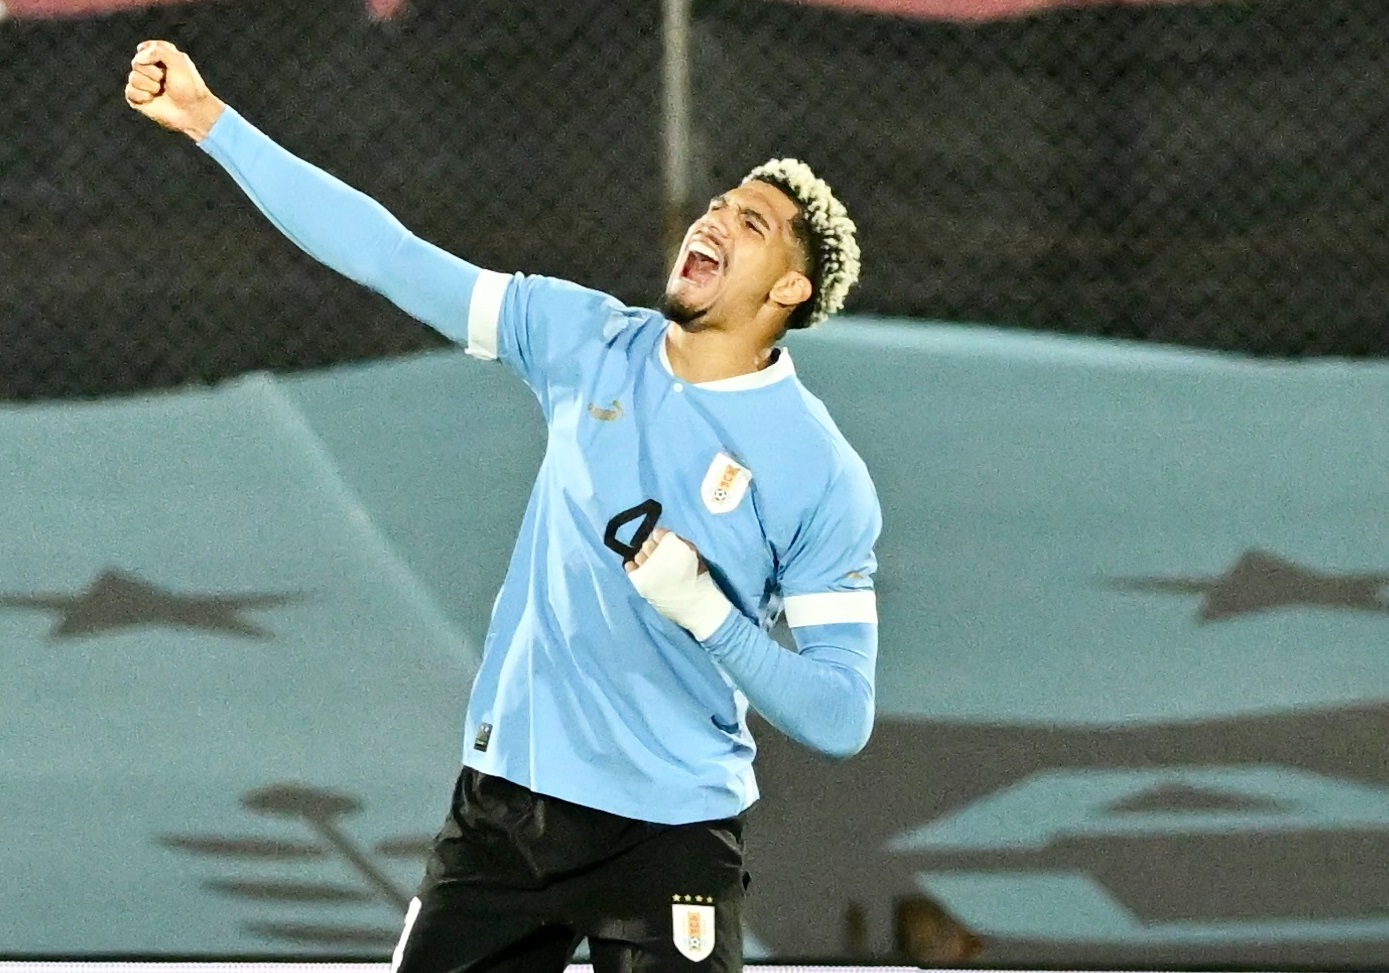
702,263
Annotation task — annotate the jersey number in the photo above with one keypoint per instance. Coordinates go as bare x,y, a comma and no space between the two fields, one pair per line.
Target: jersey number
646,514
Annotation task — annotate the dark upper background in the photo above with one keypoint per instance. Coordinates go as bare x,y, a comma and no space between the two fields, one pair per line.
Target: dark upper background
1209,175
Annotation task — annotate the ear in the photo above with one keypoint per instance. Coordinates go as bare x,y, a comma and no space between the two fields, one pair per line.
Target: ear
792,288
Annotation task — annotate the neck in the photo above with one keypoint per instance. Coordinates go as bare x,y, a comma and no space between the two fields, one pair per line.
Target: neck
710,356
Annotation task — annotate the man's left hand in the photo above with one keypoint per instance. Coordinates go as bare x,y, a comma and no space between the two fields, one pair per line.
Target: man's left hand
669,573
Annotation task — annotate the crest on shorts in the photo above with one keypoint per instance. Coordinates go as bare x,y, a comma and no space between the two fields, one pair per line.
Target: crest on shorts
725,484
692,926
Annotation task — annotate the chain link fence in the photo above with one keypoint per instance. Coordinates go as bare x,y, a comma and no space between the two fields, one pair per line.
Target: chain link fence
1203,174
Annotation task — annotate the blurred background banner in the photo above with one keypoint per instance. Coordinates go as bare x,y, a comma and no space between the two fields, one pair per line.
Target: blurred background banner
221,677
1132,691
971,10
59,9
36,9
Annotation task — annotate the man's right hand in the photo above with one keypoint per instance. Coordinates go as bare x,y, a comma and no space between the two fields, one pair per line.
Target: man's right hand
164,85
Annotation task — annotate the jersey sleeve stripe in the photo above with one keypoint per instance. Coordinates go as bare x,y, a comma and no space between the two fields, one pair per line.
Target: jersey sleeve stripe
832,608
485,313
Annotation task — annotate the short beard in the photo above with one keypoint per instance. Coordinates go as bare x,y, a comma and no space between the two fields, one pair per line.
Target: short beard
689,318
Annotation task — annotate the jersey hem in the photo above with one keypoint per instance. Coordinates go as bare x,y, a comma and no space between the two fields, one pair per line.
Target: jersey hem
634,812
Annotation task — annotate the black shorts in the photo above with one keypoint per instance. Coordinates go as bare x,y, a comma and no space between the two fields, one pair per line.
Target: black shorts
516,880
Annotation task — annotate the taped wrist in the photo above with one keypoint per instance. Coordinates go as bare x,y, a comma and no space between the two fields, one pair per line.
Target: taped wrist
670,580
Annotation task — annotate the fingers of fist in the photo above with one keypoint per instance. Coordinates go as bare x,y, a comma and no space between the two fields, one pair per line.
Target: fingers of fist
153,52
144,84
647,549
150,71
147,74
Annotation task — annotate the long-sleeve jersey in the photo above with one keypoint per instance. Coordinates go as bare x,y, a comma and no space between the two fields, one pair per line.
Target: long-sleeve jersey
584,691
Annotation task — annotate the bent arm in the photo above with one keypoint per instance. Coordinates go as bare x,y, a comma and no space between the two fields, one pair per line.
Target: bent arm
344,229
821,696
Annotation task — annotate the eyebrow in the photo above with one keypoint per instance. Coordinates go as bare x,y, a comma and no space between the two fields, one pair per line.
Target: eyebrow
753,214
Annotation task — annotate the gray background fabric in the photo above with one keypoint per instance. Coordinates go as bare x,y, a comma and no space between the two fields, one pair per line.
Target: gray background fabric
1206,174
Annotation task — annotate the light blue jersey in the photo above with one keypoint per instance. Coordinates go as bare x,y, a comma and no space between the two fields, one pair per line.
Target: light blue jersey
585,692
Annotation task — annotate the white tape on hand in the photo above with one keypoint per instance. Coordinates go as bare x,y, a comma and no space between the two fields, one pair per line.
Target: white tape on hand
671,581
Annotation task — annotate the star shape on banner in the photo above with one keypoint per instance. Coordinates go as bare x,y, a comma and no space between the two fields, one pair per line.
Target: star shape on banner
1263,582
118,600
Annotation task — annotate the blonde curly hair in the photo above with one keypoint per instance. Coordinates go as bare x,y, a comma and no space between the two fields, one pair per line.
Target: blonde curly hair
833,249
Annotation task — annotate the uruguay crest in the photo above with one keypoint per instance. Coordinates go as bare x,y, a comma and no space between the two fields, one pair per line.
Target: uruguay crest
692,926
725,484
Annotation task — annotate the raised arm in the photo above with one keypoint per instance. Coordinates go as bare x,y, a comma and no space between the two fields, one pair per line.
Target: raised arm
335,224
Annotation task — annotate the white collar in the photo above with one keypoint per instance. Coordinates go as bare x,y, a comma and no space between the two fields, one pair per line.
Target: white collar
775,372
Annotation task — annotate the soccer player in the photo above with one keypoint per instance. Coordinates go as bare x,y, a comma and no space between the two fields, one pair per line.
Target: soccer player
692,493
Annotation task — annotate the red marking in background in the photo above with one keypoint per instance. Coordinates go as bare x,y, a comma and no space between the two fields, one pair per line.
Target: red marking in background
384,9
973,10
46,9
55,9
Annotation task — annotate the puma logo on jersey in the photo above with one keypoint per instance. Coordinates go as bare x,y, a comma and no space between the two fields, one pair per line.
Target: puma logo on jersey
606,415
725,484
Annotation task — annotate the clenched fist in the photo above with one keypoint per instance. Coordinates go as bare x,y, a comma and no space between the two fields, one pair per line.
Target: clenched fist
669,573
164,85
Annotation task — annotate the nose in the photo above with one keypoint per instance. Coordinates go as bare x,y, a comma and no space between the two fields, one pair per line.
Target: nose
711,227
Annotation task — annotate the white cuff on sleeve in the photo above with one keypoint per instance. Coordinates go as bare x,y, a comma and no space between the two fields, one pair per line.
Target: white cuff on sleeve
485,314
831,608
